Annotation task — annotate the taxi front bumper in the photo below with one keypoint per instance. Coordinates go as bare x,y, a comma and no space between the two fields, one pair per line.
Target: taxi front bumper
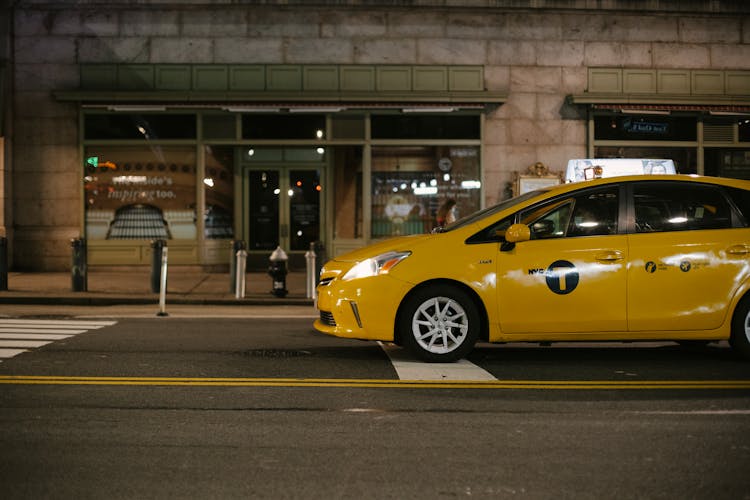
362,308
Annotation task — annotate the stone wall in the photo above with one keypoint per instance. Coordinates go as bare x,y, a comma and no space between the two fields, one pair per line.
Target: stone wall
537,56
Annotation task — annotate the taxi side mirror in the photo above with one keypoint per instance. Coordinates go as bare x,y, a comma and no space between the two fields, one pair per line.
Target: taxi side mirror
515,234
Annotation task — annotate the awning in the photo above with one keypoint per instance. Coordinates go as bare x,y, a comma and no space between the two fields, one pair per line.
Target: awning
258,102
669,103
675,107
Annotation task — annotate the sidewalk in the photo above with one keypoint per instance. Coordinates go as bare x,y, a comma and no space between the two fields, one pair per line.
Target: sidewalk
133,286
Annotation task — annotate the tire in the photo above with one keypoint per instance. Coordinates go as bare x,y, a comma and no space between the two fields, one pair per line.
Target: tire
439,324
740,337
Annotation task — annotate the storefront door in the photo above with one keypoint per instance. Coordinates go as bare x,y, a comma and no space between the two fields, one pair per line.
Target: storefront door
282,208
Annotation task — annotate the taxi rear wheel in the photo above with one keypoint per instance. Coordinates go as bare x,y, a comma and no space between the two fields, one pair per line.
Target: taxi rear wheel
740,338
439,324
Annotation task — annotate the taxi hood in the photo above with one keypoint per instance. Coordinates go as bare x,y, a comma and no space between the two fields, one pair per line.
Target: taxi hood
396,244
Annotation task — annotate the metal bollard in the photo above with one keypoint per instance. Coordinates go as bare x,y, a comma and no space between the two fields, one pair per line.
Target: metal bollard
79,270
3,264
239,285
237,245
163,284
310,281
320,252
157,248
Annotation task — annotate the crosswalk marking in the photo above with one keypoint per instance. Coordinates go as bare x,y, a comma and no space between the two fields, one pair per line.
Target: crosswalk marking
19,335
407,368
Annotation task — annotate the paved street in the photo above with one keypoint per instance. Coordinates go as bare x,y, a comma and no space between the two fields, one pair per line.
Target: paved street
135,406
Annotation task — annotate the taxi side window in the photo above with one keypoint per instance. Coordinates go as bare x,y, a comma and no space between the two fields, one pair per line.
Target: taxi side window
663,207
592,213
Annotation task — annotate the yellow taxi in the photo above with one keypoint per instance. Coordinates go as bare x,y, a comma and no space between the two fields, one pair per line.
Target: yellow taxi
646,257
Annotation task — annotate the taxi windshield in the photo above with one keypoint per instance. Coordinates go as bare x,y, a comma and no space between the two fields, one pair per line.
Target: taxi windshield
471,218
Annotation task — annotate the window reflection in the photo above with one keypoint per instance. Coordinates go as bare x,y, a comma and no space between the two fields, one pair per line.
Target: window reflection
411,183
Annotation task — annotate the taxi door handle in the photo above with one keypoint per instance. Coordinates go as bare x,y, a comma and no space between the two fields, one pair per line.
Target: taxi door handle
738,250
609,256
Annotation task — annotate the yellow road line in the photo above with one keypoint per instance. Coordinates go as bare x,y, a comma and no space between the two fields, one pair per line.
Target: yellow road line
378,383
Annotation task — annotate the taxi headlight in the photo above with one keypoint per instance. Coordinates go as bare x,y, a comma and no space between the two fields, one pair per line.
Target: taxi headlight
374,266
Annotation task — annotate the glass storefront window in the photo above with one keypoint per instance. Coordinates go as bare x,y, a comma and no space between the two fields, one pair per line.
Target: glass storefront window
685,159
136,192
726,162
744,130
283,126
219,191
627,127
148,127
410,184
425,127
222,126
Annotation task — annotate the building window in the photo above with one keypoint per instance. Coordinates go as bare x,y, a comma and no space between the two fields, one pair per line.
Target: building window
425,127
283,126
140,193
139,126
411,183
648,127
218,184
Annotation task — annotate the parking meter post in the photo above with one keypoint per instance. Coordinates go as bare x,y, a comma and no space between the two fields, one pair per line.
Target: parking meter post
3,263
163,283
79,271
310,268
237,245
240,277
277,271
157,247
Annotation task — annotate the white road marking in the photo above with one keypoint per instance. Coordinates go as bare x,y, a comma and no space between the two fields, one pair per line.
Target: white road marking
18,335
40,330
23,343
9,353
33,336
61,323
408,368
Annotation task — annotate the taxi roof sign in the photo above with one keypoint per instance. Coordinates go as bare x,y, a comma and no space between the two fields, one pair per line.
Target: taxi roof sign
593,168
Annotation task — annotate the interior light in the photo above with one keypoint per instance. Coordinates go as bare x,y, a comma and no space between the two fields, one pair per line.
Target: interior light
299,183
446,177
433,182
319,134
208,182
425,191
250,152
320,151
318,188
290,192
276,191
471,184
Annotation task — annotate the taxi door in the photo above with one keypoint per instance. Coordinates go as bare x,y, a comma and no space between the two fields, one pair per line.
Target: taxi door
571,276
686,259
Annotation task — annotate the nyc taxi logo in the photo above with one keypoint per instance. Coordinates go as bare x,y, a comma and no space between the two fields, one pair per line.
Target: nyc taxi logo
561,276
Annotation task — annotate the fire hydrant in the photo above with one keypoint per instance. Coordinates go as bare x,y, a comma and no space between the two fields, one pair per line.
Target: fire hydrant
277,271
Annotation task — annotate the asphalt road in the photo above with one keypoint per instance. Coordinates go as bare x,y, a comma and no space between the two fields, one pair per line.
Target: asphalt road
261,407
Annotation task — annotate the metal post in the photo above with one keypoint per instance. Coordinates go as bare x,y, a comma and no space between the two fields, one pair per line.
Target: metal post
163,284
310,278
239,285
320,259
157,247
3,263
237,245
79,270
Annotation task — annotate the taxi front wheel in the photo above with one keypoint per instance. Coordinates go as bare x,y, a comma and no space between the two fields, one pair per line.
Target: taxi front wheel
740,338
439,324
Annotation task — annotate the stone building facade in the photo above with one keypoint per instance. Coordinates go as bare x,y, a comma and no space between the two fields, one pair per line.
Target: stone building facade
410,98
